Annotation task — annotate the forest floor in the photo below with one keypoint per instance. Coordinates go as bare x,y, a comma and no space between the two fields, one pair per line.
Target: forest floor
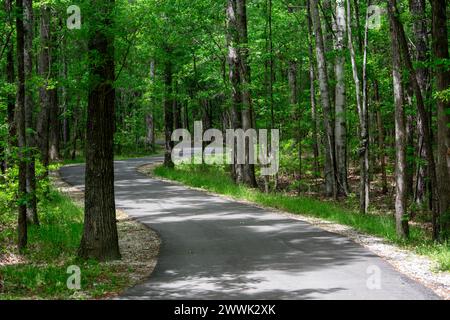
40,272
417,258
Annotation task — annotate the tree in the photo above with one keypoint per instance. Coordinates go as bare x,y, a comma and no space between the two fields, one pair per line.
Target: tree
400,138
428,149
32,214
440,52
361,105
100,239
10,74
340,126
44,95
420,38
330,159
168,107
21,130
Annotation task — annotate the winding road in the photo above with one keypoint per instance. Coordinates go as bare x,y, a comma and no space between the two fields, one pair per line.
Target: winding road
214,248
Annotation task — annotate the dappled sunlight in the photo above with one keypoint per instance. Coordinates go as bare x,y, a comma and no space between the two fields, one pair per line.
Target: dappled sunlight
216,248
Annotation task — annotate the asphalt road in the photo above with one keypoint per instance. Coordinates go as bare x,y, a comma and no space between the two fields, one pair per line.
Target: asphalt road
213,248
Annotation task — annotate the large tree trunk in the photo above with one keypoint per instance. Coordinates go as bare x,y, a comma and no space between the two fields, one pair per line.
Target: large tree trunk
32,215
330,160
395,22
400,139
21,131
44,72
168,110
340,125
440,51
100,239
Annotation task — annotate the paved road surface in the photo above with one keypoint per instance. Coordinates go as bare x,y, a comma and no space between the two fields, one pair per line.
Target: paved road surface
213,248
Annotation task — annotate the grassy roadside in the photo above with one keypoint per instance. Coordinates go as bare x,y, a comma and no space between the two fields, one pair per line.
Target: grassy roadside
207,177
42,271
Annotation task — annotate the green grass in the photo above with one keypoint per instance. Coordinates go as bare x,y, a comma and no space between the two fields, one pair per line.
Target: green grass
51,250
215,179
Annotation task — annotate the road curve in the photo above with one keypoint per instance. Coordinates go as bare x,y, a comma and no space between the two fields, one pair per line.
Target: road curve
213,248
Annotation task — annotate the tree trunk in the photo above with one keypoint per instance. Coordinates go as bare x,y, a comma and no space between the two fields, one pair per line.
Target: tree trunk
100,239
312,93
340,126
435,192
149,120
168,110
54,125
44,72
440,51
330,161
32,215
20,124
10,77
400,139
244,69
235,80
381,143
418,11
361,104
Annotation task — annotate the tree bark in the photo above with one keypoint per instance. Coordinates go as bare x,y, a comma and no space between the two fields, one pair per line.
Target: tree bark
235,80
168,110
340,125
100,239
330,160
361,105
400,139
10,77
312,93
440,51
395,22
244,69
44,73
21,131
381,142
32,214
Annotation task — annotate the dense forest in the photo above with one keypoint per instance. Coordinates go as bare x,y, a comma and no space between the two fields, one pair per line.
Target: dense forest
359,91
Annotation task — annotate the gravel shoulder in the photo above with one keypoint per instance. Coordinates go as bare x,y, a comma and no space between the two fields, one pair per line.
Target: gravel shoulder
139,245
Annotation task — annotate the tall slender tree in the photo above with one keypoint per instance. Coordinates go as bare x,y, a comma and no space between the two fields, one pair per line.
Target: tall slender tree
21,128
28,23
330,159
44,72
340,126
400,137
